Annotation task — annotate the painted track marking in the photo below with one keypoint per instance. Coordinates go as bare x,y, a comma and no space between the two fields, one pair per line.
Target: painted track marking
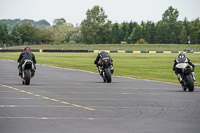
47,98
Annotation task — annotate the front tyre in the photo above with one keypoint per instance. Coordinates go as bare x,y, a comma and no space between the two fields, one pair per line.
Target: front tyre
27,76
108,75
190,82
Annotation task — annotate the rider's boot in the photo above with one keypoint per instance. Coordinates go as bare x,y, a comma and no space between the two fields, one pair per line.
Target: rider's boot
32,72
20,72
100,71
111,69
193,75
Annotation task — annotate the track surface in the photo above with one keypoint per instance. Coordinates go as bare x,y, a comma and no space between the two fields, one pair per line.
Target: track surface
68,101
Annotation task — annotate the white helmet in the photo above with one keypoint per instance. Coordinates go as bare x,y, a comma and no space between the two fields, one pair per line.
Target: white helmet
100,51
181,55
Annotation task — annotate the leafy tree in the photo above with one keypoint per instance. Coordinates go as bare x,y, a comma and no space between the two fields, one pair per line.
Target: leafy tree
195,31
143,30
74,34
11,23
183,35
124,34
3,34
169,19
173,38
115,33
96,28
28,33
131,26
60,21
60,32
49,34
44,36
170,16
187,26
16,37
42,23
162,33
76,37
136,34
179,26
149,30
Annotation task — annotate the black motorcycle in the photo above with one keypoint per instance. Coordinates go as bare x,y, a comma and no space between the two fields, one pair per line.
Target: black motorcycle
28,71
185,71
105,70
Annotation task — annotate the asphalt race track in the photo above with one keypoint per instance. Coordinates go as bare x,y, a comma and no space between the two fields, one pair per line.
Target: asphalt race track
70,101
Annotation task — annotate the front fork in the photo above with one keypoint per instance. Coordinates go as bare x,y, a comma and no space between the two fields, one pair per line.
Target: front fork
179,76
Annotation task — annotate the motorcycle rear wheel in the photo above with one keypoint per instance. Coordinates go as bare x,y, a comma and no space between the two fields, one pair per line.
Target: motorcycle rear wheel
108,75
190,82
27,77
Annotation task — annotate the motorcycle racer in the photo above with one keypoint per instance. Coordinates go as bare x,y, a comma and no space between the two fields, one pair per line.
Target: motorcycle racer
182,59
102,54
26,54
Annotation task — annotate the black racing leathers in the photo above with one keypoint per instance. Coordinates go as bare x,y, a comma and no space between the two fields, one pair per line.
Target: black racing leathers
100,56
26,55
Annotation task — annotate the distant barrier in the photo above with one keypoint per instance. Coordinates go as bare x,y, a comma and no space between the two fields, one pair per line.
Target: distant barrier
18,50
74,51
92,51
44,50
150,52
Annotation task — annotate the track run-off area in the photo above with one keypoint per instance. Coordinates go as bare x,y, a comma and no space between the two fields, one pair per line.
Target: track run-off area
62,100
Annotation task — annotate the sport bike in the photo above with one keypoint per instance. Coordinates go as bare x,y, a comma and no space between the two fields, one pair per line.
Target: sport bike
105,69
185,71
28,71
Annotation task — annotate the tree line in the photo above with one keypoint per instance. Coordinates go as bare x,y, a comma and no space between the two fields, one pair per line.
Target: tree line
11,23
97,29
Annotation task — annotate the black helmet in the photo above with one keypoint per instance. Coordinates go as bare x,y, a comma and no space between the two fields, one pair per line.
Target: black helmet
181,55
27,48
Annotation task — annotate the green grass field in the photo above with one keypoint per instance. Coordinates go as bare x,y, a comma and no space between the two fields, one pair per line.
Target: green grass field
131,47
143,66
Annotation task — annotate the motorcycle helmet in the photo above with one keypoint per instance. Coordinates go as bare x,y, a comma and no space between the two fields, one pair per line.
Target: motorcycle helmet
27,49
100,51
181,55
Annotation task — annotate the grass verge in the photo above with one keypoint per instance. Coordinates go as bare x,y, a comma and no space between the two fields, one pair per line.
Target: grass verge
128,47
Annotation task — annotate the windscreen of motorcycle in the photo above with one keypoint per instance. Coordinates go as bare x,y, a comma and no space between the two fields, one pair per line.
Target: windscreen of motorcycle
181,65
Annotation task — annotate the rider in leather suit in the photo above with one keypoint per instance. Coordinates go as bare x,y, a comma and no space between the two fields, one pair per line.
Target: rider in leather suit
26,54
182,59
102,54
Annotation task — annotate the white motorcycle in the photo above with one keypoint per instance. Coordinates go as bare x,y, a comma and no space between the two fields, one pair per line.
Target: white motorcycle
28,71
185,76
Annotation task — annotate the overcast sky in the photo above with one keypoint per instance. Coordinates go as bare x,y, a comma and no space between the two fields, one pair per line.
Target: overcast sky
74,11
